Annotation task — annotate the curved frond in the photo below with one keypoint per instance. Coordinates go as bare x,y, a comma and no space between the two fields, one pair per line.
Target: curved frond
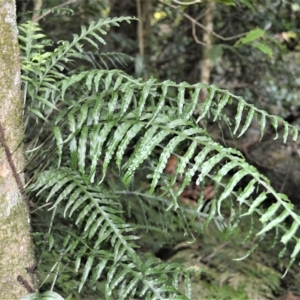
100,218
43,71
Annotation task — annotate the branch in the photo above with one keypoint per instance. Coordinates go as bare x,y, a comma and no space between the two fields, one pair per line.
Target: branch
195,35
57,6
187,3
194,21
37,7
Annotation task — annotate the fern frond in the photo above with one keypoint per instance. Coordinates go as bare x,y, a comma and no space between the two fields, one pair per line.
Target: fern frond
213,162
45,68
99,217
156,126
215,103
107,61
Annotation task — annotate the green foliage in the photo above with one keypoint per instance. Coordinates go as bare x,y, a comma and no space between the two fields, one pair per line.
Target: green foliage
252,37
96,130
45,296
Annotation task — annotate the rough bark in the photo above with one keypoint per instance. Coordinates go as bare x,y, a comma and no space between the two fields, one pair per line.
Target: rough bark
16,250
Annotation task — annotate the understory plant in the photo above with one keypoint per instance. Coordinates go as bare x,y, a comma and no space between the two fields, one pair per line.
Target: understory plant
98,142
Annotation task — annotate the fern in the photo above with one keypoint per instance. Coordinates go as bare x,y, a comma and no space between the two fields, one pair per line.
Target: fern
103,123
96,210
161,126
47,67
207,160
106,60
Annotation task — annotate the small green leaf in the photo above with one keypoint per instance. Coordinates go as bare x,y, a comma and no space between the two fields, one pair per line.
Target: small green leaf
225,169
161,100
248,121
274,123
98,136
191,106
251,36
247,192
37,113
98,270
263,48
119,134
208,165
275,222
112,104
184,160
238,116
262,125
82,116
221,105
257,202
248,4
293,256
270,212
108,80
59,143
230,186
141,152
181,97
295,133
131,133
290,233
207,103
82,148
126,100
285,132
86,271
144,95
118,82
199,159
43,296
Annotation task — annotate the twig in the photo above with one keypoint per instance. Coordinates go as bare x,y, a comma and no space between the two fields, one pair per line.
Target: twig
187,3
203,27
57,6
25,283
37,7
12,165
195,35
215,252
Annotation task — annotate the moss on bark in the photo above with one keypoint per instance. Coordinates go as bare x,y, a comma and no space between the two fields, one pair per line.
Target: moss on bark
16,250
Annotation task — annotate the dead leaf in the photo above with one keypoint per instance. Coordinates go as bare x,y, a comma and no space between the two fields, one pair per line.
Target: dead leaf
171,165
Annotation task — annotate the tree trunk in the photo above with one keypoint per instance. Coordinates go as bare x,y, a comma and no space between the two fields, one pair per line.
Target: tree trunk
16,249
205,65
144,14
